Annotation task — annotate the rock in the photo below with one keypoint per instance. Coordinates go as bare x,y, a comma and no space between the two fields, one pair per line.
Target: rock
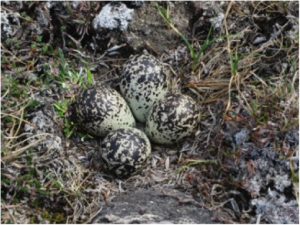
113,16
153,206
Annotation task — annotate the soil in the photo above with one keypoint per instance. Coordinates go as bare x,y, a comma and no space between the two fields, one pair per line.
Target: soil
148,30
240,166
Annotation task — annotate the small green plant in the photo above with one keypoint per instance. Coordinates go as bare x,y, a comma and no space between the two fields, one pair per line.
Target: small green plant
234,62
66,78
62,108
196,162
27,184
90,78
5,180
67,75
27,19
16,90
57,217
33,103
69,127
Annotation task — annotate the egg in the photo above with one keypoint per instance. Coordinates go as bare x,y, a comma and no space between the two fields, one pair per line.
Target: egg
143,81
125,152
172,119
100,110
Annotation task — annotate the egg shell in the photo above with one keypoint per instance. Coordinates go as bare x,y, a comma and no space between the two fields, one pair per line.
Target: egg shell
125,152
172,119
144,80
100,110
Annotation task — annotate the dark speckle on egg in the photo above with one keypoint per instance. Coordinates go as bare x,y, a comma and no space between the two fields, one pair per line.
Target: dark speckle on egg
146,75
172,119
125,152
102,109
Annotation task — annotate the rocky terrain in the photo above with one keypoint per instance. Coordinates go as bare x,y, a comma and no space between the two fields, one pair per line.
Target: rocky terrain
237,60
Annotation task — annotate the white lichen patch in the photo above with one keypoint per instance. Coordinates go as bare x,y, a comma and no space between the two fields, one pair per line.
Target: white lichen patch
41,131
9,28
5,23
113,16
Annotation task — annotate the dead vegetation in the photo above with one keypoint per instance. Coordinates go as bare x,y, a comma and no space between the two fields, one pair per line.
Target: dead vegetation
244,153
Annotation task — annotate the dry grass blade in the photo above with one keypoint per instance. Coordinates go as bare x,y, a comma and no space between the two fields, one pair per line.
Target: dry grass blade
12,155
229,53
12,136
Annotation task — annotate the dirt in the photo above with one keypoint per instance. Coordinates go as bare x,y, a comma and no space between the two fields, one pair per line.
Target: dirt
240,166
148,30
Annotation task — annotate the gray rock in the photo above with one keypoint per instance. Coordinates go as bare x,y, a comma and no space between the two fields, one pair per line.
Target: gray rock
153,206
113,16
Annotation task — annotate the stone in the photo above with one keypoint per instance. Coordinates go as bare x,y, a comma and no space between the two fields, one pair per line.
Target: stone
113,16
153,206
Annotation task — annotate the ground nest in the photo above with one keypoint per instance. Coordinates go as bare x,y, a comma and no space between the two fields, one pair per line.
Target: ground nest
237,60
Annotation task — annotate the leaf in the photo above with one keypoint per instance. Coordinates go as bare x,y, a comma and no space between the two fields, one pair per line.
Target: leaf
90,78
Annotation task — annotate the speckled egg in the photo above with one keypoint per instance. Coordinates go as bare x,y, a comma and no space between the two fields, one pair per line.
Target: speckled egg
125,151
172,119
143,81
100,110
